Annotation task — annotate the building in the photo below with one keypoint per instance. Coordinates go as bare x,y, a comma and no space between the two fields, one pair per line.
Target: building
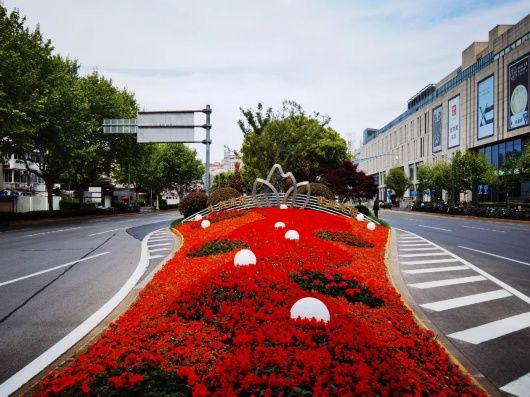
480,106
16,179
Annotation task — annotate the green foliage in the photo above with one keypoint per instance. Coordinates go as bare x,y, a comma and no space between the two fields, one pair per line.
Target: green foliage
363,209
222,194
237,182
68,203
343,237
318,190
397,181
473,169
192,203
217,246
337,286
254,121
301,144
223,179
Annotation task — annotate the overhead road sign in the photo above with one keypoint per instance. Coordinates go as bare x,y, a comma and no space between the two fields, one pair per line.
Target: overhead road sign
166,126
119,126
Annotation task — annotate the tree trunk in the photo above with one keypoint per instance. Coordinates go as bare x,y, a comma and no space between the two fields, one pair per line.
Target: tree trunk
49,190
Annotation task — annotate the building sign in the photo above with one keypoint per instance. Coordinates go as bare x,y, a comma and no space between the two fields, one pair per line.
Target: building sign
486,108
518,93
454,122
437,129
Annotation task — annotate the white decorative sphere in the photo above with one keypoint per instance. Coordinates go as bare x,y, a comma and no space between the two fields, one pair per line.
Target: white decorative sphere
310,308
198,217
245,257
292,235
359,217
283,207
279,225
205,223
370,226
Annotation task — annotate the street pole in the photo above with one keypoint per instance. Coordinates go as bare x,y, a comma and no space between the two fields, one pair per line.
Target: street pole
208,141
129,188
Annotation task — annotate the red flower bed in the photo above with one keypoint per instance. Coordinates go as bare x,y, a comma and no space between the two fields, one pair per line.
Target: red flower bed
205,327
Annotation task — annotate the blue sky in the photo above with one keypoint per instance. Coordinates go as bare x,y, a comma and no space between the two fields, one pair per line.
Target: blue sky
357,61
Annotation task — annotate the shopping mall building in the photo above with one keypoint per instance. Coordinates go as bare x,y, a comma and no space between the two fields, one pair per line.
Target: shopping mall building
480,106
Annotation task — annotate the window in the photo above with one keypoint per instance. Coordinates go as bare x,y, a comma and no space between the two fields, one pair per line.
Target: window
411,171
7,175
517,147
501,154
508,149
495,155
487,154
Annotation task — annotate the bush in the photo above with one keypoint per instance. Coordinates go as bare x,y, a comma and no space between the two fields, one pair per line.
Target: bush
192,203
363,209
68,203
318,190
222,194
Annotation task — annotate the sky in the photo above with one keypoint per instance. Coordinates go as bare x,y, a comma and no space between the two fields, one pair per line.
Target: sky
358,61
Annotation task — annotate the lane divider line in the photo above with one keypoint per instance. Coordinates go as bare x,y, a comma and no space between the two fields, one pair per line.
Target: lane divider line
23,376
493,330
436,228
51,269
468,300
436,269
52,231
106,231
483,228
445,283
495,255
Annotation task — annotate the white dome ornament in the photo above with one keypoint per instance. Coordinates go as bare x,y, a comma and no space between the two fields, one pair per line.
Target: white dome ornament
359,217
198,217
205,223
292,235
307,308
370,226
283,207
244,257
279,225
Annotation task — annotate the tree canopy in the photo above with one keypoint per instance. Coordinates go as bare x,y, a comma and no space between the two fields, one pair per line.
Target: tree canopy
397,181
302,144
348,183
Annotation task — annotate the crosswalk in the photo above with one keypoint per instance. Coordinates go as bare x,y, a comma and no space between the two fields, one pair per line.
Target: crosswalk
160,242
445,283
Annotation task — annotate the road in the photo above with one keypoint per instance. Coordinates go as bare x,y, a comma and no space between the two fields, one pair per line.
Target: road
470,278
54,277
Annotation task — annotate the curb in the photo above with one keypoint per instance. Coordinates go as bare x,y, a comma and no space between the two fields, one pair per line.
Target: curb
455,355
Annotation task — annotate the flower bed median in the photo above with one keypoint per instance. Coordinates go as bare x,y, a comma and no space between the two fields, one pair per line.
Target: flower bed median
203,326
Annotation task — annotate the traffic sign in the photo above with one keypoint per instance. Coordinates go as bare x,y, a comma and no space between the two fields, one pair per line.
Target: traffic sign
119,126
166,126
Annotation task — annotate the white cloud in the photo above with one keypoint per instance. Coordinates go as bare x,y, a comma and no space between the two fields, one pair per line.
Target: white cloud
358,61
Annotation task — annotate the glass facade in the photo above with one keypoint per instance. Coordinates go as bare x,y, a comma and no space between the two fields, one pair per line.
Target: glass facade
497,153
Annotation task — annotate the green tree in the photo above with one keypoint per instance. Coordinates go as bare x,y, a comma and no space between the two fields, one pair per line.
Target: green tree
424,176
298,142
473,170
397,181
222,179
254,121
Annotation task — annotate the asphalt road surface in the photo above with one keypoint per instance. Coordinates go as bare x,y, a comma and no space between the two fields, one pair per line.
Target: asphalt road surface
53,277
471,279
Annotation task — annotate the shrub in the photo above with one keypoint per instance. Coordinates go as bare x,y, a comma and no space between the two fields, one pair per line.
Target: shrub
192,203
217,246
318,190
363,209
68,203
222,194
344,237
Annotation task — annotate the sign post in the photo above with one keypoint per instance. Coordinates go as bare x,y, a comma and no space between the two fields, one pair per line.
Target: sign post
177,126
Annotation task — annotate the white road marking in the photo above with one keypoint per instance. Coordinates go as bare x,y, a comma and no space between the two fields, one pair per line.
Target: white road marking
52,231
466,300
51,269
493,330
496,256
451,281
425,254
106,231
483,228
159,249
49,356
436,269
414,245
418,249
159,245
156,256
429,261
518,387
495,280
437,228
160,239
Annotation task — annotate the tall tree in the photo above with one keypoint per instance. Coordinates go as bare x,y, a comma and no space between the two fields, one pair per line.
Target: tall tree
474,170
283,141
397,181
254,121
